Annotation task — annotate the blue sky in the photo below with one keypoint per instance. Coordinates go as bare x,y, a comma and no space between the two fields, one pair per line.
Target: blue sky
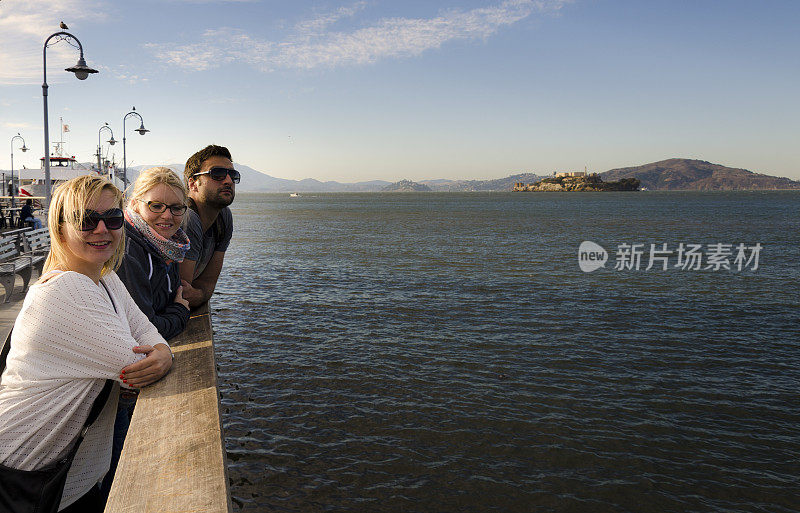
377,89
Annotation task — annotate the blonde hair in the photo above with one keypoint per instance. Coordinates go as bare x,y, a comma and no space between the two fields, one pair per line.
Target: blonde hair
154,176
68,209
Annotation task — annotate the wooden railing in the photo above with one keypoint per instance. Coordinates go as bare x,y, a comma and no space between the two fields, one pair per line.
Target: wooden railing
174,455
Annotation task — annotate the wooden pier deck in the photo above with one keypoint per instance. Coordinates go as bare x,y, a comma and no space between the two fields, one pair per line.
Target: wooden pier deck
10,310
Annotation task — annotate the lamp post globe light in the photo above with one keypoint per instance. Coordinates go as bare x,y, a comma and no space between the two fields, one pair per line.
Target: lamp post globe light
142,130
111,141
24,148
82,71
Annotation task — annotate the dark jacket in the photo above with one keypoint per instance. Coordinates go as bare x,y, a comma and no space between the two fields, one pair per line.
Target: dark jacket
152,284
25,212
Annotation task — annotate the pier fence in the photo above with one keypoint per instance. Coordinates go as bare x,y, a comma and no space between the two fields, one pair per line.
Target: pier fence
174,458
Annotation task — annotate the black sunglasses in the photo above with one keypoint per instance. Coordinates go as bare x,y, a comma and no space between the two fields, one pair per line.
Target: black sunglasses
157,207
113,219
219,174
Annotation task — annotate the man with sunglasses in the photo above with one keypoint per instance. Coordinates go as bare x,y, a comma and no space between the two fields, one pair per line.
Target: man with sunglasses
211,180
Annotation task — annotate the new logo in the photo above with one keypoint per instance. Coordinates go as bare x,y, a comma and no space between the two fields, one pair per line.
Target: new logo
591,256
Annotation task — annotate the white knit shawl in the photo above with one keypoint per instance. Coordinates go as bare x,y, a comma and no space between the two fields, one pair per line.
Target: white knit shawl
67,341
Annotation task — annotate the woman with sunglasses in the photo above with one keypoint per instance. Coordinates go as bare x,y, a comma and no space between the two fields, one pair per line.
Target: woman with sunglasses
155,244
78,327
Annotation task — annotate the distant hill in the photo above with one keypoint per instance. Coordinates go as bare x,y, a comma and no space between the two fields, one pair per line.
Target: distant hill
698,175
256,181
499,184
406,186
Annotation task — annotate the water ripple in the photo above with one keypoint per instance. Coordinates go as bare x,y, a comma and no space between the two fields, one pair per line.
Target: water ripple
445,353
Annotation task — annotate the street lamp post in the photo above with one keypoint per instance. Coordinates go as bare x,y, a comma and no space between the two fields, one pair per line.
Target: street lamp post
142,130
110,141
24,148
82,71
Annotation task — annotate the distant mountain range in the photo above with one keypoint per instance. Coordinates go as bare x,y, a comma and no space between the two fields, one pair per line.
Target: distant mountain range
671,174
256,181
499,184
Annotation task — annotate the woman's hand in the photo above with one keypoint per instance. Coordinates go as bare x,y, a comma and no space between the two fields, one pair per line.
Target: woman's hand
180,299
150,369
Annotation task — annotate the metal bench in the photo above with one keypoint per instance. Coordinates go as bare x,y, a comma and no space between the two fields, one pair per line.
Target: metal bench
15,232
12,263
37,240
36,244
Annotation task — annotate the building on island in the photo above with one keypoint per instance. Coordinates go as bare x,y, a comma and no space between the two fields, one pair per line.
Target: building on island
521,186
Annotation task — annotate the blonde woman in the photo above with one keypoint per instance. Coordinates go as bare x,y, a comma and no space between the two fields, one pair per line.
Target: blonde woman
77,328
154,246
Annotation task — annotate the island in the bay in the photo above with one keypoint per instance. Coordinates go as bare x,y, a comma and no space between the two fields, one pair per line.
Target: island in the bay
577,181
406,186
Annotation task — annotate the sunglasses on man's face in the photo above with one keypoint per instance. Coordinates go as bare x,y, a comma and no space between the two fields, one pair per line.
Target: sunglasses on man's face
219,174
113,219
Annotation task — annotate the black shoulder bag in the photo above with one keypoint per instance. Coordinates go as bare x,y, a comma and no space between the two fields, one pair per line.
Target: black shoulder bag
40,491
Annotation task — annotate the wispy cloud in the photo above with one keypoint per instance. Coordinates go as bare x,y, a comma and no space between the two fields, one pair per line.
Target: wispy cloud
24,25
227,100
316,26
122,72
313,45
18,126
212,1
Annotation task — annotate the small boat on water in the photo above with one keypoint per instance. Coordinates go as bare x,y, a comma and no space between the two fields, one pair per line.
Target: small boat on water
294,195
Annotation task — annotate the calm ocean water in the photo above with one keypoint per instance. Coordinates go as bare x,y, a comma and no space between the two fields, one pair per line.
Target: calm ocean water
445,353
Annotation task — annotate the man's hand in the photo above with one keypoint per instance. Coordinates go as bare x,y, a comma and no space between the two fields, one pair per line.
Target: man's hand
150,369
179,298
206,282
193,296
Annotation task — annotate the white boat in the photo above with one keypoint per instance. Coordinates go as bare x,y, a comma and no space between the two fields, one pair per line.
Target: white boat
62,168
294,195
